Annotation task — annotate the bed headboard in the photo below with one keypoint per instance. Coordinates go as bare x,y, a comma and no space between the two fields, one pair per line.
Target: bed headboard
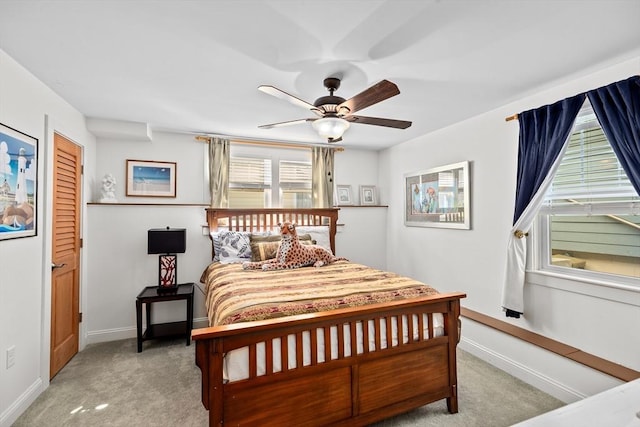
265,219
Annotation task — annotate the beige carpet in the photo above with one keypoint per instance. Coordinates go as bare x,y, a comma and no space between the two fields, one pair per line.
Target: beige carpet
110,384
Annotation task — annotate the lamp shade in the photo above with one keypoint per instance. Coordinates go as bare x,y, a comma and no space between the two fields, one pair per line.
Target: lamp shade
166,241
330,127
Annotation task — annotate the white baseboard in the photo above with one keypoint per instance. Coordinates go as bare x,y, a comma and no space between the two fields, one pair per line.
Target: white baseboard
524,373
21,404
201,322
105,335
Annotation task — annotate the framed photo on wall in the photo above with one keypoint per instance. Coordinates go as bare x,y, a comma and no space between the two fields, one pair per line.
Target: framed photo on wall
438,197
18,184
344,195
368,195
147,178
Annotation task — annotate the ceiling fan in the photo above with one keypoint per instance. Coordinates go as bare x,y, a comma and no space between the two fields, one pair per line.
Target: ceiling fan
335,114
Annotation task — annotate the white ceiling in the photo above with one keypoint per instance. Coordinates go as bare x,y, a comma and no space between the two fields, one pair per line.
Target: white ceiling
195,66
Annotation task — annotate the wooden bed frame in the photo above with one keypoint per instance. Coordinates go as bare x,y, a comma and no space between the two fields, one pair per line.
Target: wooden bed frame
354,389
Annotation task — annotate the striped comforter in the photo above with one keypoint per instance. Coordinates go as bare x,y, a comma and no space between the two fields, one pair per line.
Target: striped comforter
237,295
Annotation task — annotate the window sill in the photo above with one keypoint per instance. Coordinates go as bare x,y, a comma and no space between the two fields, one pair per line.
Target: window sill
618,292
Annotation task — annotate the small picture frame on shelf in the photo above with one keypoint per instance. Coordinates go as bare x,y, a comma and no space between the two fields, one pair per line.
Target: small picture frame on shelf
343,197
368,195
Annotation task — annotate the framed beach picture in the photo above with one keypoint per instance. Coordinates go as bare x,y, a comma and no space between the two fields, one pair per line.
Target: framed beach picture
147,178
438,197
18,183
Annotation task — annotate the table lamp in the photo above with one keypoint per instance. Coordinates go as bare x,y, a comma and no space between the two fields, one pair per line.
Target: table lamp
168,242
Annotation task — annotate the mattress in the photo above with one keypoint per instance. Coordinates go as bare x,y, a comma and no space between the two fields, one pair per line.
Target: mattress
235,295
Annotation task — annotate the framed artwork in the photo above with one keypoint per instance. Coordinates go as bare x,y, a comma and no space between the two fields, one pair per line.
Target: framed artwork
438,197
344,195
147,178
368,195
18,184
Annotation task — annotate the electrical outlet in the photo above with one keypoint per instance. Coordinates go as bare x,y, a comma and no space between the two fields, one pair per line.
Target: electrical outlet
11,356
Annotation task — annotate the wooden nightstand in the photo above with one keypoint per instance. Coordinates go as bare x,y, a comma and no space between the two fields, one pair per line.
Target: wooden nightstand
148,296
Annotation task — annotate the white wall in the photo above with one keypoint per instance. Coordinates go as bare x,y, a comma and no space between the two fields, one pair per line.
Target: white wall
119,266
361,236
115,245
29,106
473,261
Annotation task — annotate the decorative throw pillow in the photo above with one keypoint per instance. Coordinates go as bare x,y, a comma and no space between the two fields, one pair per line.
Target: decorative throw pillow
234,246
215,239
266,247
217,244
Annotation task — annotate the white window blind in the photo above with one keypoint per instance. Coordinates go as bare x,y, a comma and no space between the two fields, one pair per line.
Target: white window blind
247,172
590,177
295,184
249,182
295,175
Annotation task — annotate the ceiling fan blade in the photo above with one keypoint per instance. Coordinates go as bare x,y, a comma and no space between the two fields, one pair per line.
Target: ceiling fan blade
390,123
289,123
274,91
376,93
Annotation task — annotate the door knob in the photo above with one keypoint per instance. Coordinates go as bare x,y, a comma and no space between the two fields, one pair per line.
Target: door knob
54,266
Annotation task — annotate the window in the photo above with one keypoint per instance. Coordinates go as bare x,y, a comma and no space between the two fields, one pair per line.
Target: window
295,184
249,182
261,177
590,220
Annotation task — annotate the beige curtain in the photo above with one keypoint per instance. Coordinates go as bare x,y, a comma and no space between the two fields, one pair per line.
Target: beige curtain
322,176
219,159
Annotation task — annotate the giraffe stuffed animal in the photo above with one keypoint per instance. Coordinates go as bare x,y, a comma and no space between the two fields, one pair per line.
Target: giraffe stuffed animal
293,254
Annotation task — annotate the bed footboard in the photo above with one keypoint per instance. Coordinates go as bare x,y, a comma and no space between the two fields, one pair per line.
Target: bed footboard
346,383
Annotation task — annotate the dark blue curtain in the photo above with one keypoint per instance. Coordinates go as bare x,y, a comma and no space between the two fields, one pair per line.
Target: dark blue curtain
617,107
543,132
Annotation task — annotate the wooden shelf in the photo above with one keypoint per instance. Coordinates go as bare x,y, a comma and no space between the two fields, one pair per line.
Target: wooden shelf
147,204
206,205
165,330
605,366
361,206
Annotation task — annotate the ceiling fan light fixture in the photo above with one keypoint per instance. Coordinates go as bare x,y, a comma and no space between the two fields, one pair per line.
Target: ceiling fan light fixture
331,127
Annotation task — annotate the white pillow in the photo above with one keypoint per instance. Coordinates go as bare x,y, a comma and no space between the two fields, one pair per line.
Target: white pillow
319,233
